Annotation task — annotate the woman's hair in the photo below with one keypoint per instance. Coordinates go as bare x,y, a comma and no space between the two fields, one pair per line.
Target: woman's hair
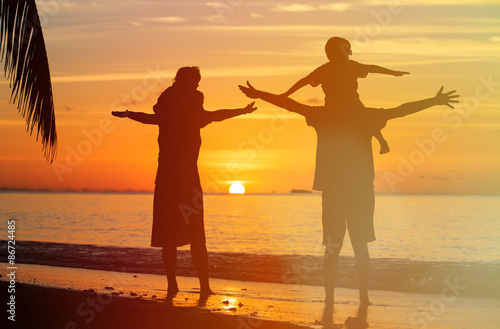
187,75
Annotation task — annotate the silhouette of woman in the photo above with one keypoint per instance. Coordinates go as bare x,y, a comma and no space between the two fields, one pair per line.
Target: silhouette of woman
178,197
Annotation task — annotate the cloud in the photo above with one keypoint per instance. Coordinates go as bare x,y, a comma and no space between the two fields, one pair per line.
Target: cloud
216,4
335,6
495,38
294,7
435,2
255,71
214,18
444,48
167,19
256,15
440,178
314,101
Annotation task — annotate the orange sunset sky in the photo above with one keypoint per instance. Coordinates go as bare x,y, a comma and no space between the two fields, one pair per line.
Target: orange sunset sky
116,55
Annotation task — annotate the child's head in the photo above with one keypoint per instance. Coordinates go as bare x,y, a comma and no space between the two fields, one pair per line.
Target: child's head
337,48
188,77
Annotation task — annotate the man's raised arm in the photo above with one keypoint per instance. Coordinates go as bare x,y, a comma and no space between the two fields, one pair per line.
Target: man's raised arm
278,100
414,107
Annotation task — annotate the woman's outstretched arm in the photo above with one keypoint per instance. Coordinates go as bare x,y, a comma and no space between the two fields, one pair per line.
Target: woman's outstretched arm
278,100
414,107
221,115
141,117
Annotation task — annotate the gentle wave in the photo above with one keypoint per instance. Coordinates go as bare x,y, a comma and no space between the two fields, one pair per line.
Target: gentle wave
472,278
419,227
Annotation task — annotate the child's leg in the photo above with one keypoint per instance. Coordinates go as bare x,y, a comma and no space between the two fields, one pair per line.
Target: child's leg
384,147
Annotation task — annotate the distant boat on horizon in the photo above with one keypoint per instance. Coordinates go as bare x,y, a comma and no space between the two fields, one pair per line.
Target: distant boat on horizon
300,191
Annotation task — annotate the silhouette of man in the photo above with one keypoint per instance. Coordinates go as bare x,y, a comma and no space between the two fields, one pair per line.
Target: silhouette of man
345,174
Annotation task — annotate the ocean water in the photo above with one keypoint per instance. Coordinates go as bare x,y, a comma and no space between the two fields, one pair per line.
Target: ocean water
430,228
421,240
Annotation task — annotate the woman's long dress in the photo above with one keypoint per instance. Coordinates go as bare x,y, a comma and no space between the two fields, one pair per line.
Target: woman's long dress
178,197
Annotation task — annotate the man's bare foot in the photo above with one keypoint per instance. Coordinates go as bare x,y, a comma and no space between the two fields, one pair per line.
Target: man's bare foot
384,148
364,300
356,323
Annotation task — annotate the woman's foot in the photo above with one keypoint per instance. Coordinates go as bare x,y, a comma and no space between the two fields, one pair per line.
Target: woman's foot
172,290
206,292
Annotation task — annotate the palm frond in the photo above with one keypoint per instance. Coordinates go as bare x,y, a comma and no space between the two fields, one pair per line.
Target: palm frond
26,66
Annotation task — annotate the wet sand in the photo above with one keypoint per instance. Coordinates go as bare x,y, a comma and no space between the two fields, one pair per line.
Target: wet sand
58,297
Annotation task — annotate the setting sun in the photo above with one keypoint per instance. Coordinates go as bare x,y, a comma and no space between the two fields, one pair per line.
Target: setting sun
237,188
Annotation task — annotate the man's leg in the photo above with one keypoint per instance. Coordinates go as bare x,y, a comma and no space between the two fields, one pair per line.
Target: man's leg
334,227
170,261
362,262
330,269
199,256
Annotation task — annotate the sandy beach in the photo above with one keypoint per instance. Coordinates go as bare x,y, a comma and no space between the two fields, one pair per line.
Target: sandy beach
58,297
44,307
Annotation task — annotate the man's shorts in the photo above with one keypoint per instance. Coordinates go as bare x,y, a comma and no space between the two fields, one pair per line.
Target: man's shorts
352,209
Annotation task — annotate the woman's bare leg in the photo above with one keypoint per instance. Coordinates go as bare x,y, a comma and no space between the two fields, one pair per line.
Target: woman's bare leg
330,268
170,261
199,256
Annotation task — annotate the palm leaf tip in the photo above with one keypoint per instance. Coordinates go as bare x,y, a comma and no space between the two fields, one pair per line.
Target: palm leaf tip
26,66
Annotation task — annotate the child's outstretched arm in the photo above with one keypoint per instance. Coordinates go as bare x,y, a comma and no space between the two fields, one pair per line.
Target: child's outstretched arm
414,107
299,84
141,117
383,70
221,115
384,147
